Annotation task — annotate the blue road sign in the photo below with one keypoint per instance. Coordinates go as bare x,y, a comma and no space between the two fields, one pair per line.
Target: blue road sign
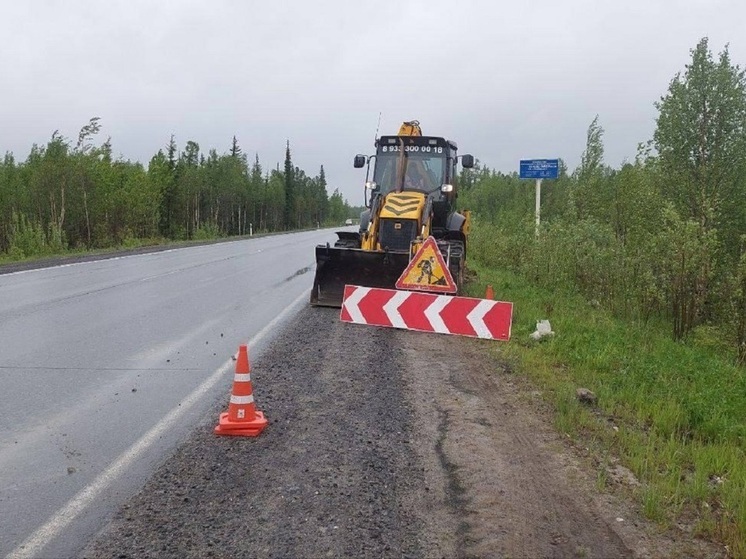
539,168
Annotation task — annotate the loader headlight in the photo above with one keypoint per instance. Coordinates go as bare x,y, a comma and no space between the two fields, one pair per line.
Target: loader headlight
371,185
446,188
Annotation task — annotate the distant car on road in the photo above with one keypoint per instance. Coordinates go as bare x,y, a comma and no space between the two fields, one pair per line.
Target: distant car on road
348,222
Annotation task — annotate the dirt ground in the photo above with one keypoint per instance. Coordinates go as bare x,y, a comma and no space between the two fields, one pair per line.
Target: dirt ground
383,443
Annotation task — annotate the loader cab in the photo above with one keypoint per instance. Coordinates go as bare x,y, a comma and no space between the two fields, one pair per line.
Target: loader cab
419,163
425,164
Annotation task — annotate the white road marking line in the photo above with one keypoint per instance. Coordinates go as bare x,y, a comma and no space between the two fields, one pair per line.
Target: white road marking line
64,516
70,264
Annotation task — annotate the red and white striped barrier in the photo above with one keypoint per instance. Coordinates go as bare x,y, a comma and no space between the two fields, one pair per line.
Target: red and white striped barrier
427,312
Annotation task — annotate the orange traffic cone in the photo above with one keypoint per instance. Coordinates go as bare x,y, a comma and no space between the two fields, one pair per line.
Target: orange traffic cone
242,417
489,294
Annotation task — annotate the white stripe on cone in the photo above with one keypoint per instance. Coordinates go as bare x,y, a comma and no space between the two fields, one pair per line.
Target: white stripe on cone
242,399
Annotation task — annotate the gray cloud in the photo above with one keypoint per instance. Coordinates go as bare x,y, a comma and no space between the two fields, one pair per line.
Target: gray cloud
505,80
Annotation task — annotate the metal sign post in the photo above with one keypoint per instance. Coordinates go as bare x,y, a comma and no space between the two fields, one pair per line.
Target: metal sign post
539,169
538,205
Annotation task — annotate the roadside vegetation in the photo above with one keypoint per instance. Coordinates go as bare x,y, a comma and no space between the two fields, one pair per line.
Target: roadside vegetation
642,272
74,196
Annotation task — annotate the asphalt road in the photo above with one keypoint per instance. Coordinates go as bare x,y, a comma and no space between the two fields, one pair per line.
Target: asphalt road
104,367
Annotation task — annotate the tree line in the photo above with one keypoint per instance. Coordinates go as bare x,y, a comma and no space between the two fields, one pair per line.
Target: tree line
71,194
662,237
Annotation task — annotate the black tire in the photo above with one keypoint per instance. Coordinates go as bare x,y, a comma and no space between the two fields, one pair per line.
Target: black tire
456,266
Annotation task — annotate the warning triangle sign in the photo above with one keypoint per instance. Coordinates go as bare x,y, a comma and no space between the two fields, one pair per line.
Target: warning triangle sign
427,271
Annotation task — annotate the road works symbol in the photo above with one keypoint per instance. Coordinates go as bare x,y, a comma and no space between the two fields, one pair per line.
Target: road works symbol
242,417
427,271
427,312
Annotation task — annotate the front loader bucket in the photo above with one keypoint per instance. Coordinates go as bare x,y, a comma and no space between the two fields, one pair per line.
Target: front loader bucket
337,267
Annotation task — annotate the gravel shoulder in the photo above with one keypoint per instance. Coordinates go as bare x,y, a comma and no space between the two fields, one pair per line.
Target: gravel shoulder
382,443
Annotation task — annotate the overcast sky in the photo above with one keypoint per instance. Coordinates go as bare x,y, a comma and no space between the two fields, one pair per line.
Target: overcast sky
505,80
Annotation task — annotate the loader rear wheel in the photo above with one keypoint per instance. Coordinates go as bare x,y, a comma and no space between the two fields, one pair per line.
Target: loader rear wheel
456,266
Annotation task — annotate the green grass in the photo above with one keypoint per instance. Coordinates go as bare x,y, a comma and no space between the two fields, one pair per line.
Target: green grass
680,409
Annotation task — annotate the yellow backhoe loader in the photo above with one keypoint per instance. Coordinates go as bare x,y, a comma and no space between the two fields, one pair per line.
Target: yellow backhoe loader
410,197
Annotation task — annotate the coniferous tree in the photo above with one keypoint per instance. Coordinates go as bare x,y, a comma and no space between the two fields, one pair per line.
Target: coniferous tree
290,194
168,190
235,148
322,197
